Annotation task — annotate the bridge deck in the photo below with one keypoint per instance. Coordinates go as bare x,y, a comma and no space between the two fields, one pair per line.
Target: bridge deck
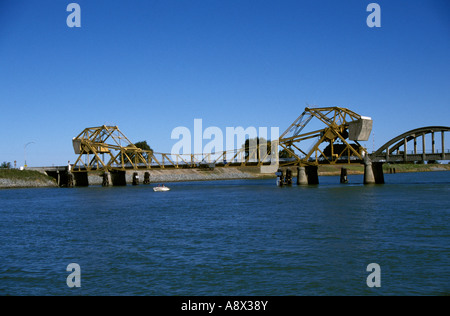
411,157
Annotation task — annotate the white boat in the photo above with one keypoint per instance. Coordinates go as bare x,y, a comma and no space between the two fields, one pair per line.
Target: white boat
161,189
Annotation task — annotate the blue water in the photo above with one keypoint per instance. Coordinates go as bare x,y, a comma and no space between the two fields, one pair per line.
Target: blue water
234,237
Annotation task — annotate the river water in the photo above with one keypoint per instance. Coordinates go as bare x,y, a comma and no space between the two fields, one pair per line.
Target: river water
233,237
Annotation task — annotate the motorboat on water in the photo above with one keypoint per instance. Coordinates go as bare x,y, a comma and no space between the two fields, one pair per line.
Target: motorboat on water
161,189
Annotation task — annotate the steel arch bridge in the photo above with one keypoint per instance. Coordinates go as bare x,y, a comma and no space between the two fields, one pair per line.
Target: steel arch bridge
397,149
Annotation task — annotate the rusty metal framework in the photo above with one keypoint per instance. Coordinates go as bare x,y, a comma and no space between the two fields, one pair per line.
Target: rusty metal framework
341,126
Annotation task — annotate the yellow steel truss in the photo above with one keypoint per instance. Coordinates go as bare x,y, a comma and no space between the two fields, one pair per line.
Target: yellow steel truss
94,143
106,148
336,121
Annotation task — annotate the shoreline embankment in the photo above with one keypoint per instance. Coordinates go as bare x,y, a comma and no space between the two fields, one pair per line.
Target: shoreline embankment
13,178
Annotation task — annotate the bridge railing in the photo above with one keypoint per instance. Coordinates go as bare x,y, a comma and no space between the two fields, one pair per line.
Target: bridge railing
152,159
417,152
226,158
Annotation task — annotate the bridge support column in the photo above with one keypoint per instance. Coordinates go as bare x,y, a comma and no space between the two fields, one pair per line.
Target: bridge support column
81,179
146,177
64,178
312,173
280,177
301,176
107,180
405,149
443,145
135,178
288,178
377,168
369,178
70,179
433,144
373,172
423,148
343,178
118,178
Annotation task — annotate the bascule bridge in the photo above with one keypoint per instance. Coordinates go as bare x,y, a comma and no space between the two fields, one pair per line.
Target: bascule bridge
319,136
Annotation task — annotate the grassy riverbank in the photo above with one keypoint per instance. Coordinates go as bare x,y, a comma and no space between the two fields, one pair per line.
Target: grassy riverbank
14,178
330,170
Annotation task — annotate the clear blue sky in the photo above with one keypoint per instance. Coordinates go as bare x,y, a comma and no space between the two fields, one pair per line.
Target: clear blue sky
149,66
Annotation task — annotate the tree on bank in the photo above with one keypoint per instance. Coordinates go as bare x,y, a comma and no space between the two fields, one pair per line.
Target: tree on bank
142,145
284,154
249,147
5,165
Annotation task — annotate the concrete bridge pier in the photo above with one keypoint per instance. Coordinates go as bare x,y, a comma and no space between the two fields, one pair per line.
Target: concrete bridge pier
377,168
70,179
118,178
312,174
301,176
135,178
146,177
62,176
369,178
107,179
288,179
307,175
80,179
373,172
343,178
280,177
